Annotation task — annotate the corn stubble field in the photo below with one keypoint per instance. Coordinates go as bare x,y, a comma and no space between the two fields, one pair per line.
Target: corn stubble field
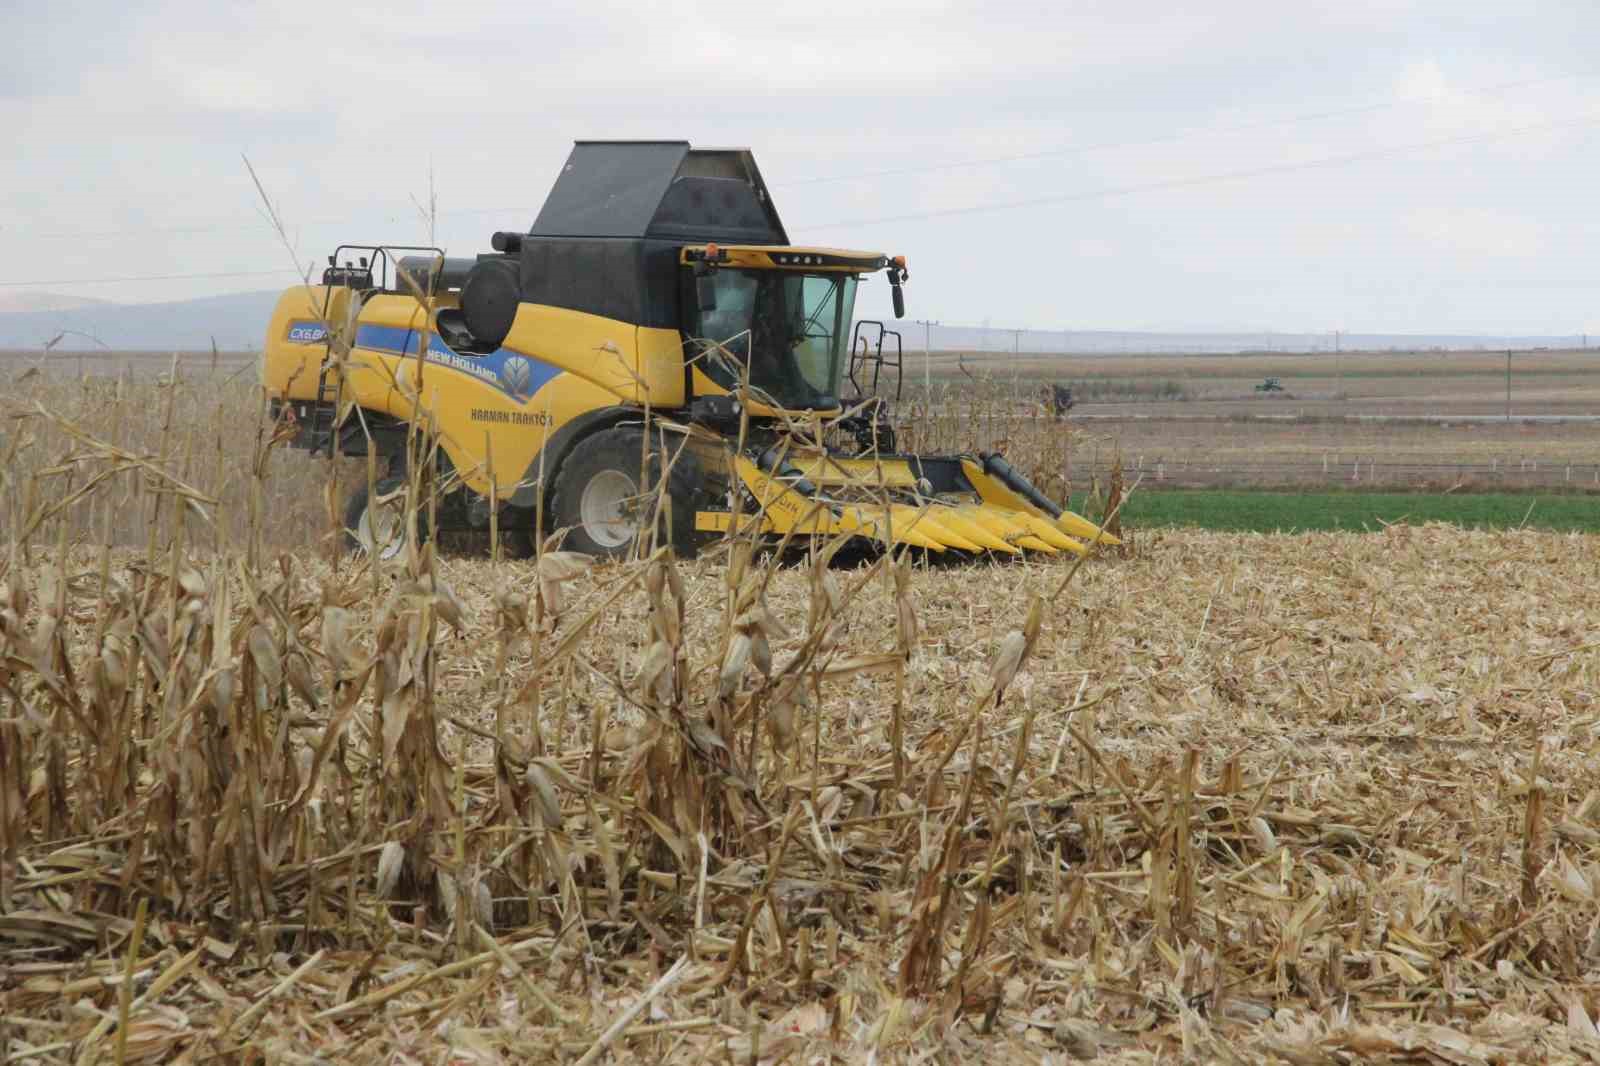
1321,798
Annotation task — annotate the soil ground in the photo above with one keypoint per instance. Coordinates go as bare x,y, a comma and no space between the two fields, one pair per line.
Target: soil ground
1430,419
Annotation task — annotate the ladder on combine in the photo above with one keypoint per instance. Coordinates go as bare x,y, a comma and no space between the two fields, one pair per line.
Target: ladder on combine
867,355
873,429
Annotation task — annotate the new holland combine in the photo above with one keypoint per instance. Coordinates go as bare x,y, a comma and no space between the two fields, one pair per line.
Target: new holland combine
655,321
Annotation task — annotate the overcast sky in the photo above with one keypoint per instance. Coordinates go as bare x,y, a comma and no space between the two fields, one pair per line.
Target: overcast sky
1191,165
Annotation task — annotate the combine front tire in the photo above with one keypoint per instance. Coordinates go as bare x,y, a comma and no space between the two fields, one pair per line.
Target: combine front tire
600,498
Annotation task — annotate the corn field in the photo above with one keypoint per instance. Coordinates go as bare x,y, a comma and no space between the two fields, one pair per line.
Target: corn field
1322,798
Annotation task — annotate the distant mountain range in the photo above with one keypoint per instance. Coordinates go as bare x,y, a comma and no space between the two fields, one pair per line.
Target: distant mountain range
1001,342
28,300
235,322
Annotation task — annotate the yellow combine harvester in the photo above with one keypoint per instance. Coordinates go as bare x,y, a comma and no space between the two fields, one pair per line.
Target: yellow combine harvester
655,319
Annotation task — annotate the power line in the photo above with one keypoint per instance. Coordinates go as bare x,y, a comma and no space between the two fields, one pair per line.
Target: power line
1054,153
235,225
239,226
1211,179
1042,201
148,277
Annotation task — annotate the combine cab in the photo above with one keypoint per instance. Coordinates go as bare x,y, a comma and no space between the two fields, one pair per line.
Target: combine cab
654,324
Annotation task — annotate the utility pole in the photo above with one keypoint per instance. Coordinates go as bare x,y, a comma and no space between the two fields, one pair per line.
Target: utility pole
1338,361
1016,342
1508,385
927,356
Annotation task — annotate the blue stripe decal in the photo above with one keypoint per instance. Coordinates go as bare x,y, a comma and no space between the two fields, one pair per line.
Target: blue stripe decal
512,373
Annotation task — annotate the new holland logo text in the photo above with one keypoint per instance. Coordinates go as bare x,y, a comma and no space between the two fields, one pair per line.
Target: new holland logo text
464,364
306,333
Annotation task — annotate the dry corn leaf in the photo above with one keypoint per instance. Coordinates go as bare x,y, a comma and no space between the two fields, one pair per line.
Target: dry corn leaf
563,566
390,860
734,664
548,801
264,653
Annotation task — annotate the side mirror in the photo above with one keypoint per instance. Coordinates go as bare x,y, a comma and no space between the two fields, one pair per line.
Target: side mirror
897,276
705,291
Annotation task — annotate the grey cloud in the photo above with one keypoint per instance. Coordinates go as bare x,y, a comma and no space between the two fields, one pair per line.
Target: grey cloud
133,116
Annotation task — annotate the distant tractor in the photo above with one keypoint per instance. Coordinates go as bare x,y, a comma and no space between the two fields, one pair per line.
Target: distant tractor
1270,385
1061,401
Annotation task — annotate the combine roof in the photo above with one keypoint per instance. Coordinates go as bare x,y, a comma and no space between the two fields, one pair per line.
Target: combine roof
663,190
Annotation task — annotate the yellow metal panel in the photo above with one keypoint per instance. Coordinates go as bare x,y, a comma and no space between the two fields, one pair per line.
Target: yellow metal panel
724,521
950,518
600,350
897,474
992,491
291,358
996,520
916,540
702,384
1024,530
1046,531
475,414
660,364
1079,526
786,509
496,405
907,525
915,521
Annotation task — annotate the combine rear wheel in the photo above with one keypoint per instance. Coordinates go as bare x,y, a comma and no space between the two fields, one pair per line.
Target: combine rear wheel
601,498
376,525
